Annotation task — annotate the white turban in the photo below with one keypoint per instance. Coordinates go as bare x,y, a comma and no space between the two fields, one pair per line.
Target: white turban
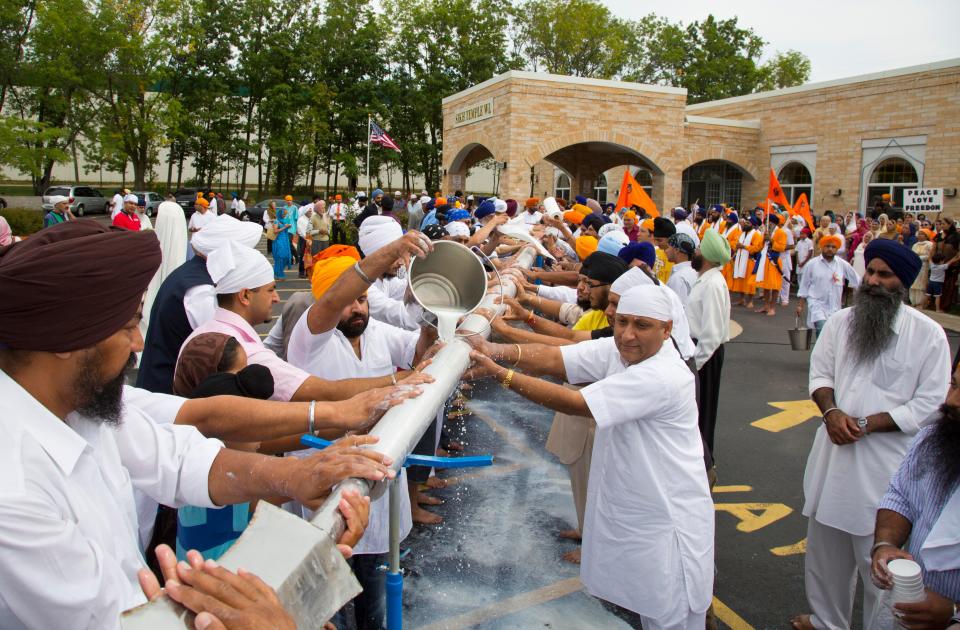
424,199
456,228
611,227
376,232
225,229
646,301
633,277
236,267
131,199
54,200
499,206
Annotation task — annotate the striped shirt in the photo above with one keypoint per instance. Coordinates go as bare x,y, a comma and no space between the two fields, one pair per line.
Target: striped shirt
920,500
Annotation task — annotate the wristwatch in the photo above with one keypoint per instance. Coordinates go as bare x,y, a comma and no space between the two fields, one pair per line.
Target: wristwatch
862,424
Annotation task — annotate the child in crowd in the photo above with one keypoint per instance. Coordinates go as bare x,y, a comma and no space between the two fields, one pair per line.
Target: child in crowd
938,272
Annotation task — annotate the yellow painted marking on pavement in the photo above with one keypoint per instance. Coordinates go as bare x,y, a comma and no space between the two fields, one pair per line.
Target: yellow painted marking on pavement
791,550
508,606
794,412
727,616
718,489
749,520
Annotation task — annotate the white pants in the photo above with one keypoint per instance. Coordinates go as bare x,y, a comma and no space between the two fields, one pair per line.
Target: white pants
692,621
834,557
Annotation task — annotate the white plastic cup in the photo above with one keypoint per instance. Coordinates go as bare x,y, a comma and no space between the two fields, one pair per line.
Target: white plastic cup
903,569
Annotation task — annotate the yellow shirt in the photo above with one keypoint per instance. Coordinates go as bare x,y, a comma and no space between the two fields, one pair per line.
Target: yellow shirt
592,320
662,267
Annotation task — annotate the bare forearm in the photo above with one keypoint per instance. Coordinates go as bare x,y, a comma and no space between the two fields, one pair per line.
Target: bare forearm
548,394
565,278
237,477
823,397
892,528
521,335
535,358
238,419
547,327
319,389
881,423
550,308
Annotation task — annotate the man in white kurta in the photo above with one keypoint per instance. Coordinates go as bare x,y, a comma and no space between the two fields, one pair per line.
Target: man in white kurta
821,285
886,401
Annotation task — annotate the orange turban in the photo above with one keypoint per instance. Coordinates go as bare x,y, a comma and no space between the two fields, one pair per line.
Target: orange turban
630,214
586,245
573,217
532,202
202,202
288,198
647,225
327,271
930,233
582,209
338,250
831,239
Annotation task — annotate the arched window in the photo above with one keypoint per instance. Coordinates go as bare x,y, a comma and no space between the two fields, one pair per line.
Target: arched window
562,187
600,189
711,182
795,180
891,177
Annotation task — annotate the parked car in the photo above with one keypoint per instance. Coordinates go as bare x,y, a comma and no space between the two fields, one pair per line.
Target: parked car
153,201
255,212
186,198
83,199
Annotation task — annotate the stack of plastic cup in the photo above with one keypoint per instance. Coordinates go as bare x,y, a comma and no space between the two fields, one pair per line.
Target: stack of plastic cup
907,581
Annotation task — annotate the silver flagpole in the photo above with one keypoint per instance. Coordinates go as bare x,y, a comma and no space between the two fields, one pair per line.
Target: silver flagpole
369,120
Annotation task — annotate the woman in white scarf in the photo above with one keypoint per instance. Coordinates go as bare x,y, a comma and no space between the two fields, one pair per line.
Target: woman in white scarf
171,230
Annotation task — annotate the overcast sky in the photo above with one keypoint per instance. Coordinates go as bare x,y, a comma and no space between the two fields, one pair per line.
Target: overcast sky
842,38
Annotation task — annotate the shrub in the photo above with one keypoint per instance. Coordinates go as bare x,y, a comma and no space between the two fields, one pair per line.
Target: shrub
23,222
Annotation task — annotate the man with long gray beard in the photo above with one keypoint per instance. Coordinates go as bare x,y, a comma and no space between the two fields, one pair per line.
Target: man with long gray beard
921,510
878,374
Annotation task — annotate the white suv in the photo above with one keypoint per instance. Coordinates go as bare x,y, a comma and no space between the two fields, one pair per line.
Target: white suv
83,199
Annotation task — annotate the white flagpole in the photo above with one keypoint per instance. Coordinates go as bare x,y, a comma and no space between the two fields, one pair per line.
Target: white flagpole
369,119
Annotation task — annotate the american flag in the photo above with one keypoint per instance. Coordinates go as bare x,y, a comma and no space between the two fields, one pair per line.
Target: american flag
379,136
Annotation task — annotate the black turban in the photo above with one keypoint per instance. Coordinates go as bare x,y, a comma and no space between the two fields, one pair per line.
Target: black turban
663,228
73,285
386,204
594,221
901,260
603,267
434,232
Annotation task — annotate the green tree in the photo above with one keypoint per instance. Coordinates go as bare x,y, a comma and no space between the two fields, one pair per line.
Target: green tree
785,69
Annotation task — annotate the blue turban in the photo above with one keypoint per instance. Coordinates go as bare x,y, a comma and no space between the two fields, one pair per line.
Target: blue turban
679,214
717,208
755,221
430,205
581,200
901,260
609,245
374,194
732,217
592,220
485,209
644,251
458,215
683,242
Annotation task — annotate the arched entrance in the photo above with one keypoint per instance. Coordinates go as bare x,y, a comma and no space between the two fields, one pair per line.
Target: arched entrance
795,180
473,169
891,176
712,182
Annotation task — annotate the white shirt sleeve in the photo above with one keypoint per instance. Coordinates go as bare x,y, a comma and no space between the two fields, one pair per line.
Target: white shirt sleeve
391,311
403,346
823,357
567,295
850,274
590,361
274,340
200,303
712,325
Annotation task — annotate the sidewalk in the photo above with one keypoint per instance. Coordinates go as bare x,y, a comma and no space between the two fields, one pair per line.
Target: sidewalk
948,321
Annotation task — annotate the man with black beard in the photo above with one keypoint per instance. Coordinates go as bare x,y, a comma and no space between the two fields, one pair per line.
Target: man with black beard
336,338
73,453
878,374
922,506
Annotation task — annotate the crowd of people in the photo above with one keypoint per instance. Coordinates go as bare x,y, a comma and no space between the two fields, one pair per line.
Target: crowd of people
619,328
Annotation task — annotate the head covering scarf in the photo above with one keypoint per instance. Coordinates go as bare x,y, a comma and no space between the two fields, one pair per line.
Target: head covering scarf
327,271
571,216
679,214
610,244
532,202
199,358
511,207
902,261
376,192
200,201
224,229
732,217
594,206
831,239
755,221
6,235
434,232
648,225
585,245
458,215
644,252
338,250
377,232
647,300
630,214
503,207
592,221
713,247
663,228
235,267
683,243
109,270
253,381
613,227
602,267
581,200
485,209
580,209
456,228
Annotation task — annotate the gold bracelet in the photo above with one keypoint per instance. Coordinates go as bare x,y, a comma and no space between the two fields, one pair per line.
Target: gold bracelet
507,379
519,354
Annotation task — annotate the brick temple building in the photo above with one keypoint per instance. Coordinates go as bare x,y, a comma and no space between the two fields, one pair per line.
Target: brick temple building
843,142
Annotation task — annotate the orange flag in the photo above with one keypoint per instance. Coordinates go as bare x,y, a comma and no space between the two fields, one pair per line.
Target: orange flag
802,207
633,194
775,193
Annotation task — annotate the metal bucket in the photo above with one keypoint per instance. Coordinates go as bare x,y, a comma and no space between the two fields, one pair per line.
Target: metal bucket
450,278
800,338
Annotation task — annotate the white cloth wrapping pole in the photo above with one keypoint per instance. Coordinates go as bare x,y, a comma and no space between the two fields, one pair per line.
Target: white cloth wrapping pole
399,430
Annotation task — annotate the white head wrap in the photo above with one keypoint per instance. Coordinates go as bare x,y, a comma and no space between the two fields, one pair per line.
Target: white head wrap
131,199
456,228
54,200
611,227
499,206
223,230
235,267
646,301
376,232
424,199
635,277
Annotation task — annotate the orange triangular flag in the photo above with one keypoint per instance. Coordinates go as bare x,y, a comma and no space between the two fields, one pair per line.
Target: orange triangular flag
775,193
802,207
633,194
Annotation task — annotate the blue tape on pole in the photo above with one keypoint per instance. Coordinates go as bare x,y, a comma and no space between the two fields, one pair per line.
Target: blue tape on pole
472,461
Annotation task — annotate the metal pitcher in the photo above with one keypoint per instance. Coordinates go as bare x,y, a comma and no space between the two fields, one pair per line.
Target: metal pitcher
451,277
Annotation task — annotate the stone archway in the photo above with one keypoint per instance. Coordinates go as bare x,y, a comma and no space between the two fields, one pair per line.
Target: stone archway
457,171
712,180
